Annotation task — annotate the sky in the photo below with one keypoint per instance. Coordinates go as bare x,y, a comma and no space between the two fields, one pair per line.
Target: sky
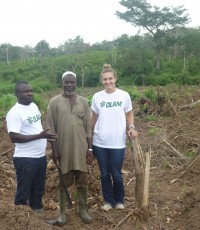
27,22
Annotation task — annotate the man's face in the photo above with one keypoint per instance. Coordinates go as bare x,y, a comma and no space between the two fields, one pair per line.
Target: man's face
69,84
24,94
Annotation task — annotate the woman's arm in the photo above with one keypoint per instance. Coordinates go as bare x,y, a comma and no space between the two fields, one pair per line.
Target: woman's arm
132,133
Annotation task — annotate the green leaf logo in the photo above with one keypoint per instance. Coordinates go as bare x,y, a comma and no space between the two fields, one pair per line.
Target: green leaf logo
30,120
102,104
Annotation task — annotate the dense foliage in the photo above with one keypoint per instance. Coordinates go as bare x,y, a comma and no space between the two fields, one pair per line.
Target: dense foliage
167,45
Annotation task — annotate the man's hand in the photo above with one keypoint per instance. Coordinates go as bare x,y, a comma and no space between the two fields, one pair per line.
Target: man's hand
55,154
89,157
55,157
46,135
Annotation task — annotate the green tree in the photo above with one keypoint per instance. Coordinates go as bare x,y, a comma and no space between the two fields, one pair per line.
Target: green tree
133,55
75,46
42,49
155,20
27,53
191,42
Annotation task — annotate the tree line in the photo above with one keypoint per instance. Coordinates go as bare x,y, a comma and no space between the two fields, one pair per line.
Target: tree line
167,52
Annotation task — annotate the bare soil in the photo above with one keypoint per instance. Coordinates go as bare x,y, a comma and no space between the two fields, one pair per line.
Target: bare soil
174,197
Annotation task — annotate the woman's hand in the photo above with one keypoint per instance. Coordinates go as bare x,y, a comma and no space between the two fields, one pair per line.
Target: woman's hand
132,133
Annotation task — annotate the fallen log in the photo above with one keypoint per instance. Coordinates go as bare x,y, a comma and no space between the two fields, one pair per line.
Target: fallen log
190,105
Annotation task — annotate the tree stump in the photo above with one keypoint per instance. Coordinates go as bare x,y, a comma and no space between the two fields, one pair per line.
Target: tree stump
142,168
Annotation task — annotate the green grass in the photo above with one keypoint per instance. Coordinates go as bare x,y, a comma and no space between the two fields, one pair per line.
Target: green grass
190,154
153,131
6,102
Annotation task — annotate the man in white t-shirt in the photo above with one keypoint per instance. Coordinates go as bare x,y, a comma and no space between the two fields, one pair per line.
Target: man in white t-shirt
25,130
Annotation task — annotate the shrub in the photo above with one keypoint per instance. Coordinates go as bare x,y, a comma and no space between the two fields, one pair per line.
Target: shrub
133,92
150,117
40,102
150,94
89,98
6,102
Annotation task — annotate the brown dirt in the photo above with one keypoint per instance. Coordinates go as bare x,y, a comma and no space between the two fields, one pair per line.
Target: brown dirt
173,206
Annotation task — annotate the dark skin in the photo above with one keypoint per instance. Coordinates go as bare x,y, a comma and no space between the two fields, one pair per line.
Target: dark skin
69,86
24,94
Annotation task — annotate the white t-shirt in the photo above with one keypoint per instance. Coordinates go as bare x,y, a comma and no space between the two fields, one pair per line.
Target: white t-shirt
110,128
26,120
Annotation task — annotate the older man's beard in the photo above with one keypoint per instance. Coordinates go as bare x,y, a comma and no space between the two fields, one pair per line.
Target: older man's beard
68,93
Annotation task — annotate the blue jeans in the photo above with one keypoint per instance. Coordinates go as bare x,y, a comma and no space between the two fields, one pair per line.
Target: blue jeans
31,174
110,164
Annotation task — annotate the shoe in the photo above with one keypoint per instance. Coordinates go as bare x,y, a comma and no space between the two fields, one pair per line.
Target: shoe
38,211
106,207
119,206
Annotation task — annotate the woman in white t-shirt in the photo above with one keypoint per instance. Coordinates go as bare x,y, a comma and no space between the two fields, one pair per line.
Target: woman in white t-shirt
111,108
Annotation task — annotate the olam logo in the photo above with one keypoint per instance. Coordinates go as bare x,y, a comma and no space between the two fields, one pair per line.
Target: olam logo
33,119
111,104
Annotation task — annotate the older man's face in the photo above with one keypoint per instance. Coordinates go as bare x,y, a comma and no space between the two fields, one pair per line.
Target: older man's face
69,84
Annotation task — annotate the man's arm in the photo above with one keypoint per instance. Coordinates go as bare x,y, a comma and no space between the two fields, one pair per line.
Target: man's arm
20,138
94,120
89,155
55,154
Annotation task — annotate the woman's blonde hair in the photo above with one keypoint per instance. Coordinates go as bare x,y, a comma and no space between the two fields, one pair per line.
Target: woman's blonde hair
107,69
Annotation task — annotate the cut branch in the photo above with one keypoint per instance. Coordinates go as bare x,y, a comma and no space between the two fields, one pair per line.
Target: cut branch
7,151
176,152
184,172
124,219
190,105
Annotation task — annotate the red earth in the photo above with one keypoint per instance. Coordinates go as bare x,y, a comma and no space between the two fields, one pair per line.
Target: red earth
174,197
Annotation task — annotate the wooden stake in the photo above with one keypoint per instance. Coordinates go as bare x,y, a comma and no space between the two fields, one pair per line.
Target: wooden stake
142,169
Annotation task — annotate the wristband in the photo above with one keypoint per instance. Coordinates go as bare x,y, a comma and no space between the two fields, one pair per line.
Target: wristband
90,150
132,126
